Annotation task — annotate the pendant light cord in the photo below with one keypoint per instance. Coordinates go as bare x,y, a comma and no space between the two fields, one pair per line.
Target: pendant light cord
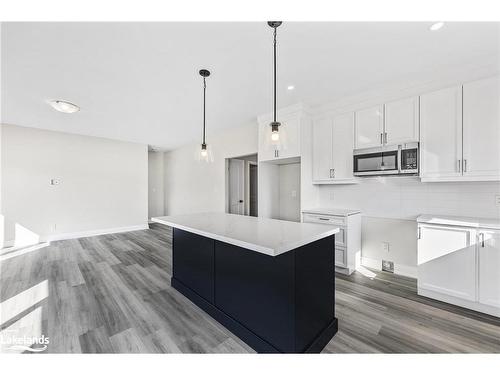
204,94
275,74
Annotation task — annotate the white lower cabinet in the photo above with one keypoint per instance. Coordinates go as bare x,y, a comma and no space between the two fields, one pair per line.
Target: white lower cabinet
459,263
347,241
447,261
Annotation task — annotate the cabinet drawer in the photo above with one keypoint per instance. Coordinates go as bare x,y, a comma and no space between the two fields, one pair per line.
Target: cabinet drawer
340,237
324,219
340,257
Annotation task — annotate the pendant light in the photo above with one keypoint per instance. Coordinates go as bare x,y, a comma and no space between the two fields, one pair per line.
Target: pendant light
205,153
275,125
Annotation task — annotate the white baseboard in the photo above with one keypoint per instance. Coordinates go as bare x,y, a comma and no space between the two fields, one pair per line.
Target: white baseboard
490,310
89,233
399,269
8,243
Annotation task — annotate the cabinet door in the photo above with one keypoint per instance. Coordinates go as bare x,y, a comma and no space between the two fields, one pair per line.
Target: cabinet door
481,101
489,267
290,130
342,145
401,121
369,127
322,149
447,261
441,133
266,148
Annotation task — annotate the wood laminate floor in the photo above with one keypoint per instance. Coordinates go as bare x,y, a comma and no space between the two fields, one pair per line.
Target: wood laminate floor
112,294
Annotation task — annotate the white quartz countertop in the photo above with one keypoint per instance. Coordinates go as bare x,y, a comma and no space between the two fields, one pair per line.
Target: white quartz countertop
266,236
460,221
332,211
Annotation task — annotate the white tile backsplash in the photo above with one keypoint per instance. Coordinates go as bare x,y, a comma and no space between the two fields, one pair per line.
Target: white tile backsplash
407,197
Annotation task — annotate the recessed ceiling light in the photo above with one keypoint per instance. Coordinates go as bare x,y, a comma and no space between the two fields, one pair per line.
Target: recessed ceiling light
436,26
64,106
291,87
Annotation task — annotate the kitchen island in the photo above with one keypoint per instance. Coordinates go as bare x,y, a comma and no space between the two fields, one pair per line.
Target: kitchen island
270,282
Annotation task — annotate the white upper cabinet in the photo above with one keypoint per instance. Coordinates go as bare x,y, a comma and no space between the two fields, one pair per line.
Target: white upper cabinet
332,147
401,121
481,128
342,146
322,149
489,267
441,133
369,127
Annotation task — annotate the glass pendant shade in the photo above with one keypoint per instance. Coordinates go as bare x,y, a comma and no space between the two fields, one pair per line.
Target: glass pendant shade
204,153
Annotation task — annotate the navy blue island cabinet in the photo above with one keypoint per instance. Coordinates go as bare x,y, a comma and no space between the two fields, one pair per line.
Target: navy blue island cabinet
275,304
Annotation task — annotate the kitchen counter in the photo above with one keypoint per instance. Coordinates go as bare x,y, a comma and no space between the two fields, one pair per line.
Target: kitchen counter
461,221
332,211
270,282
266,236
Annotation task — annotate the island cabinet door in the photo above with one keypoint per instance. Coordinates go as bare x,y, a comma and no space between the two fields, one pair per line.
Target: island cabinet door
193,260
257,291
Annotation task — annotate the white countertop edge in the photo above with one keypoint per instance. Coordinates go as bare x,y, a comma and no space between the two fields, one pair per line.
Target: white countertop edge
247,245
460,221
332,211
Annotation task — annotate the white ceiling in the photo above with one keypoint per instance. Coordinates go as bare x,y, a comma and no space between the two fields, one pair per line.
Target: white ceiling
139,81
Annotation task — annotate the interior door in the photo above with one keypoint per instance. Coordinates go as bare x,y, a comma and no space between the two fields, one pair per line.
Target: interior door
481,101
369,127
401,121
343,143
322,149
489,267
441,133
236,186
447,261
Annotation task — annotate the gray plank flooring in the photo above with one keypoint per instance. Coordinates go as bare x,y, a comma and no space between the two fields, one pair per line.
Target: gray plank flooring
112,294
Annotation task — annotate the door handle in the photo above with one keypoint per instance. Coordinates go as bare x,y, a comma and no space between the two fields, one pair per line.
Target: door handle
381,139
333,173
330,172
482,239
419,235
459,170
465,165
240,201
385,137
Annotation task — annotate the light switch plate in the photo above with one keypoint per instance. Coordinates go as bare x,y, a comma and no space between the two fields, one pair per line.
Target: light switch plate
385,247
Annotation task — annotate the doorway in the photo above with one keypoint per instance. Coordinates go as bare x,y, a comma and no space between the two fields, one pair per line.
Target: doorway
241,185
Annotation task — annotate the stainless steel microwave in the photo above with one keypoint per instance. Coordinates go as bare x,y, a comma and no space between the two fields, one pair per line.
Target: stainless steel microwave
387,160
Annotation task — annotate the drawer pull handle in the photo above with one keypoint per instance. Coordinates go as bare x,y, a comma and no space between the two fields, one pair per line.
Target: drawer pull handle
323,218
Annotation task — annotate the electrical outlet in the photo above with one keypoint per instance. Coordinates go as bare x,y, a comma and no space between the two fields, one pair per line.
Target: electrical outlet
497,200
388,266
385,247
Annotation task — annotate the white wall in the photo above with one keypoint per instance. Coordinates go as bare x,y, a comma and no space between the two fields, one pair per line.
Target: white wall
103,184
193,186
156,179
289,192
